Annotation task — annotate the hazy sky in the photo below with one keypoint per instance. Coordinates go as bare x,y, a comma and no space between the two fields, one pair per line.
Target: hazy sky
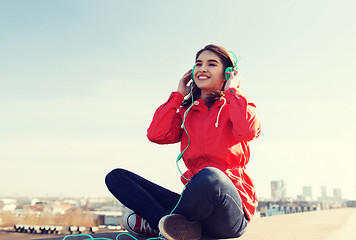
80,81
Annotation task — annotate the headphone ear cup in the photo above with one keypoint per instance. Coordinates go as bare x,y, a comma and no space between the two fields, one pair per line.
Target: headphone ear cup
227,70
193,73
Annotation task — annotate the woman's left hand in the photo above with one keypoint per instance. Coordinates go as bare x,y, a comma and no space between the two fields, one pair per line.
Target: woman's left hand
233,81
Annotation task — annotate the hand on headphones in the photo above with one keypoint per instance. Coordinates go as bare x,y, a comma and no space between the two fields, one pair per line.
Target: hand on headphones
234,80
183,86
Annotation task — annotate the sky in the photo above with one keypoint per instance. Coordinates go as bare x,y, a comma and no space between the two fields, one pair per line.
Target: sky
80,81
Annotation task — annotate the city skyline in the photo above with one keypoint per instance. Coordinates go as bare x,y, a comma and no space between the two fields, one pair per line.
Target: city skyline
317,193
279,192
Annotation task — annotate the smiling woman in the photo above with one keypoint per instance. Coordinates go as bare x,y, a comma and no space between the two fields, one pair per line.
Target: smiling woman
219,198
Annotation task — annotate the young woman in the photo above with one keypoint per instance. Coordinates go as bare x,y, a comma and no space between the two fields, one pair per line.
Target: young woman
214,130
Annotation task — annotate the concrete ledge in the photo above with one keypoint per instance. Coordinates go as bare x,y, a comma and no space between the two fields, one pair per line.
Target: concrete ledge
328,224
336,224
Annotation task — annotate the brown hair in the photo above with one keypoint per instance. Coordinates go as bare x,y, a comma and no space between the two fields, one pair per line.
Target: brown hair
226,60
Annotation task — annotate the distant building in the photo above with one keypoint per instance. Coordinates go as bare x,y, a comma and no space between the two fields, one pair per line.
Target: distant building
324,199
324,195
61,208
308,193
8,204
351,204
337,195
301,198
278,190
108,218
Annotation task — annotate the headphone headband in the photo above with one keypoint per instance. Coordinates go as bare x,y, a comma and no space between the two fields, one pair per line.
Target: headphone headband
234,59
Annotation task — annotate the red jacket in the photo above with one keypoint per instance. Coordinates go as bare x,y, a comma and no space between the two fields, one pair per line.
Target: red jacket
218,137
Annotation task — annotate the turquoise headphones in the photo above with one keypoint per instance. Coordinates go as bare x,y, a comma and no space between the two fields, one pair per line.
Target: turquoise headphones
227,70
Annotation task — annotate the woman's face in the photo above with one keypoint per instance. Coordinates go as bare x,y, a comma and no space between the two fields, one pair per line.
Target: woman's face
209,72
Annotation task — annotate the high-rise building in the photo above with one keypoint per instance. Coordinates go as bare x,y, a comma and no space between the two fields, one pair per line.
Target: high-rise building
307,193
337,195
278,190
324,194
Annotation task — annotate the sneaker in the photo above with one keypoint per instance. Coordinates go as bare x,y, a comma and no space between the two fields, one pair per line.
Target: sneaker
176,227
138,226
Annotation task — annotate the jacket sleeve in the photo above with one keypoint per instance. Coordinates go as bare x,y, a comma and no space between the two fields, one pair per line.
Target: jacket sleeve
166,124
246,125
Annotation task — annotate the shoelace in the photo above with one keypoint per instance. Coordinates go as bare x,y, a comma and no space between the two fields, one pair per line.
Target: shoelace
146,228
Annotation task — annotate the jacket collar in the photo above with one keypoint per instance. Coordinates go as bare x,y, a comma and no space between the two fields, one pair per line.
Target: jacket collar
199,104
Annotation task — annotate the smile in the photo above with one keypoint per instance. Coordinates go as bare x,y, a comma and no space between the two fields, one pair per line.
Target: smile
203,77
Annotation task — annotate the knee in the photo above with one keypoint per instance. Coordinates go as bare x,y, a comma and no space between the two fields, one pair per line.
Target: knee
114,176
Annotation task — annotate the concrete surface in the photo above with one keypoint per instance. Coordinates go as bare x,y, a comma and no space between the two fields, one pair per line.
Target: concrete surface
336,224
320,225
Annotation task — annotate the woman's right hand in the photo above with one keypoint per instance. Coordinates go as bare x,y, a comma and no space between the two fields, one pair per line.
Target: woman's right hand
183,88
